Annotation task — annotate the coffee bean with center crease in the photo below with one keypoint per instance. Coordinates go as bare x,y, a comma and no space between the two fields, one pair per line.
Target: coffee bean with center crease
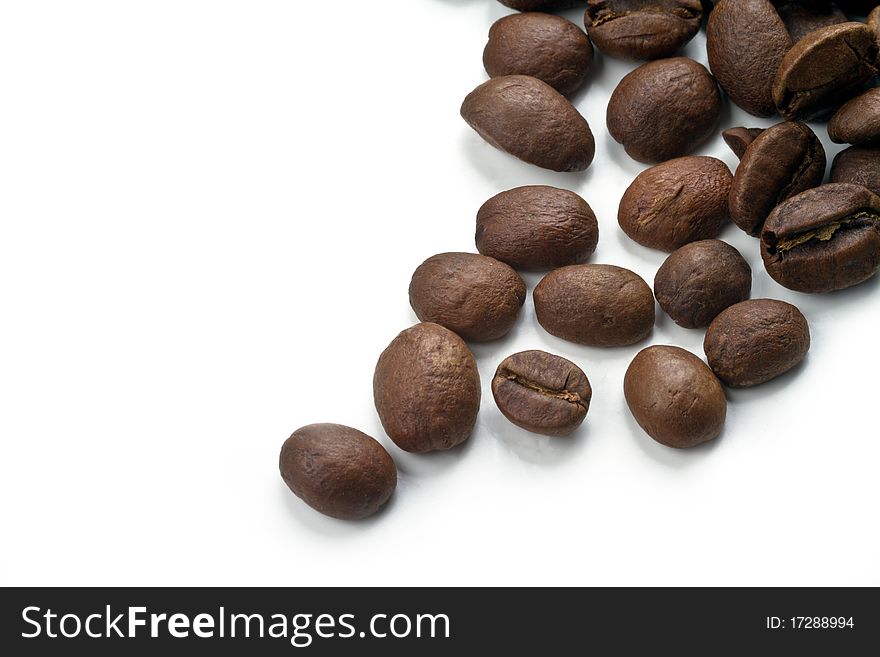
537,227
663,109
544,46
540,5
800,19
595,305
473,295
542,393
857,121
680,201
337,470
858,165
756,341
634,29
784,160
674,396
746,41
427,389
823,69
823,239
701,279
529,119
738,139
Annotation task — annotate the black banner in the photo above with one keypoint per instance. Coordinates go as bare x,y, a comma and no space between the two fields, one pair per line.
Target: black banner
326,621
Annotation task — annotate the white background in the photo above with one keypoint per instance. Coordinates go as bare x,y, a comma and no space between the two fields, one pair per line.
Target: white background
210,213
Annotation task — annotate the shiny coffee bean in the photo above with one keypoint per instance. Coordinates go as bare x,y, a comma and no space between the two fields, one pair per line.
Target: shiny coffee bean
756,341
337,470
782,161
674,397
701,279
857,121
738,139
530,120
634,29
595,305
823,69
680,201
544,46
858,165
475,296
537,227
746,41
427,389
664,109
542,393
824,239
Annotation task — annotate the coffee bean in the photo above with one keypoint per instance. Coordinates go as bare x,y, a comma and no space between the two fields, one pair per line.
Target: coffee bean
674,396
800,19
542,393
701,279
663,109
858,165
595,305
427,389
677,202
755,341
784,160
540,5
532,121
746,41
874,21
738,139
633,29
475,296
337,470
823,69
537,227
544,46
858,121
824,239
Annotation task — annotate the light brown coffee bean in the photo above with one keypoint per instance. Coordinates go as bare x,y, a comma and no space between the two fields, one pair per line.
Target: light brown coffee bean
532,121
595,305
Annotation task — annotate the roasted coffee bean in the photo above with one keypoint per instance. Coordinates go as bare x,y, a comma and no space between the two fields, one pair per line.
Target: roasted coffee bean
537,227
784,160
674,396
677,202
823,69
663,109
427,389
755,341
337,470
802,18
544,46
746,41
540,5
738,139
635,29
858,165
824,239
532,121
595,305
858,121
542,393
701,279
475,296
874,21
